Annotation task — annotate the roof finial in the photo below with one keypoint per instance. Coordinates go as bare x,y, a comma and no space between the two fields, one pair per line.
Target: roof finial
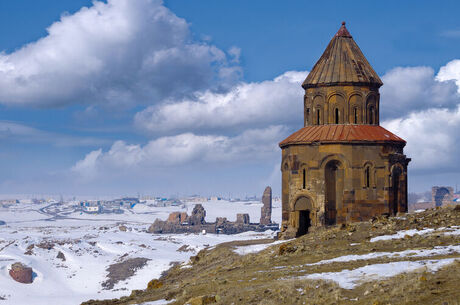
343,32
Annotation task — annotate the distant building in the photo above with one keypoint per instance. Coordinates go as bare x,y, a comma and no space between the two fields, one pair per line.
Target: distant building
91,207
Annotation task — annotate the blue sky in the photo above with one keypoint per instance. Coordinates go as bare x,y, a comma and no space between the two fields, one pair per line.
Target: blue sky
182,97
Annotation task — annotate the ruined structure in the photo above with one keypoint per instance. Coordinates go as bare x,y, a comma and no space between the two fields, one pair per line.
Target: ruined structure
180,222
341,166
442,195
266,211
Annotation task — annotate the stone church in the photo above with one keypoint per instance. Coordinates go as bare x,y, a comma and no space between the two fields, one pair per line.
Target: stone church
341,166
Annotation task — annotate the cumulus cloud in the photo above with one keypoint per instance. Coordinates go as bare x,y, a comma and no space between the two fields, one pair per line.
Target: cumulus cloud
246,105
451,71
432,137
119,52
408,89
251,145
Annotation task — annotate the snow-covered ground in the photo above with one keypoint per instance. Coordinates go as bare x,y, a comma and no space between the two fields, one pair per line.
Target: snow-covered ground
91,243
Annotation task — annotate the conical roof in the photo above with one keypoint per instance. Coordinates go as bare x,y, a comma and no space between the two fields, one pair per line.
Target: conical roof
342,63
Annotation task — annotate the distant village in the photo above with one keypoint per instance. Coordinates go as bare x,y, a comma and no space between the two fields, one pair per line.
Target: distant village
119,205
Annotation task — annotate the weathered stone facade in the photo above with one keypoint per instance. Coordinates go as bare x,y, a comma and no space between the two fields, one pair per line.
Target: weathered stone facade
342,166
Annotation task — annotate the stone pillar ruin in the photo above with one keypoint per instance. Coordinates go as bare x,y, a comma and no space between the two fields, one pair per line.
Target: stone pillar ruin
266,211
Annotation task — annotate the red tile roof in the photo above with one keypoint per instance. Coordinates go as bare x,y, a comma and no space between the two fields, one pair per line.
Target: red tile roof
341,134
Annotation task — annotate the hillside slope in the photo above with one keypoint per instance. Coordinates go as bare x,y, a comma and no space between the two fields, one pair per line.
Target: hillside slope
411,259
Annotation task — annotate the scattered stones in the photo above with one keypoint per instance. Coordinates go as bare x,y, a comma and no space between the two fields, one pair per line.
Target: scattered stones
29,249
47,245
123,228
21,273
185,248
123,270
202,300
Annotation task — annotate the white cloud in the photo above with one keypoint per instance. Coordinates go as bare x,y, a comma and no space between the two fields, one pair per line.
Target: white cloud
408,89
247,105
451,71
432,138
119,52
253,145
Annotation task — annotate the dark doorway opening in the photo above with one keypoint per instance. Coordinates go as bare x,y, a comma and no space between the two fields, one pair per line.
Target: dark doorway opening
304,222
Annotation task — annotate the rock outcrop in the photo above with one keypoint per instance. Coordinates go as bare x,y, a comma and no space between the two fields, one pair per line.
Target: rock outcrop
21,273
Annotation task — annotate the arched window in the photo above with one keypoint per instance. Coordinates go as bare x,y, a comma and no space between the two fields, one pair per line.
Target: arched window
337,115
367,177
307,119
371,115
318,116
355,114
304,178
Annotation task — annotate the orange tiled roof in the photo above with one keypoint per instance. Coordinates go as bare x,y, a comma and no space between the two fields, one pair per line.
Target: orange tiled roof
342,63
340,134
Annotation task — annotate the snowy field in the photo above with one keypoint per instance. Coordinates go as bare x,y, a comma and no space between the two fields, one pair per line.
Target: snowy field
36,234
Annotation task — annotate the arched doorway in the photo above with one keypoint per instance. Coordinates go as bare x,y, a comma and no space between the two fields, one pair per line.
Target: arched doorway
396,190
302,208
334,189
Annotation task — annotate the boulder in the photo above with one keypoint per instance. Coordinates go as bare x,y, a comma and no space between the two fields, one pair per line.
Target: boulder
61,256
21,273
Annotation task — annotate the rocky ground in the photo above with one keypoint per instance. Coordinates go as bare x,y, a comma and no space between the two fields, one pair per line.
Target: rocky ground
410,259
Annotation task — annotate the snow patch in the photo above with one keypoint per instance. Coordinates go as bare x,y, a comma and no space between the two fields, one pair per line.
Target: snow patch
349,279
